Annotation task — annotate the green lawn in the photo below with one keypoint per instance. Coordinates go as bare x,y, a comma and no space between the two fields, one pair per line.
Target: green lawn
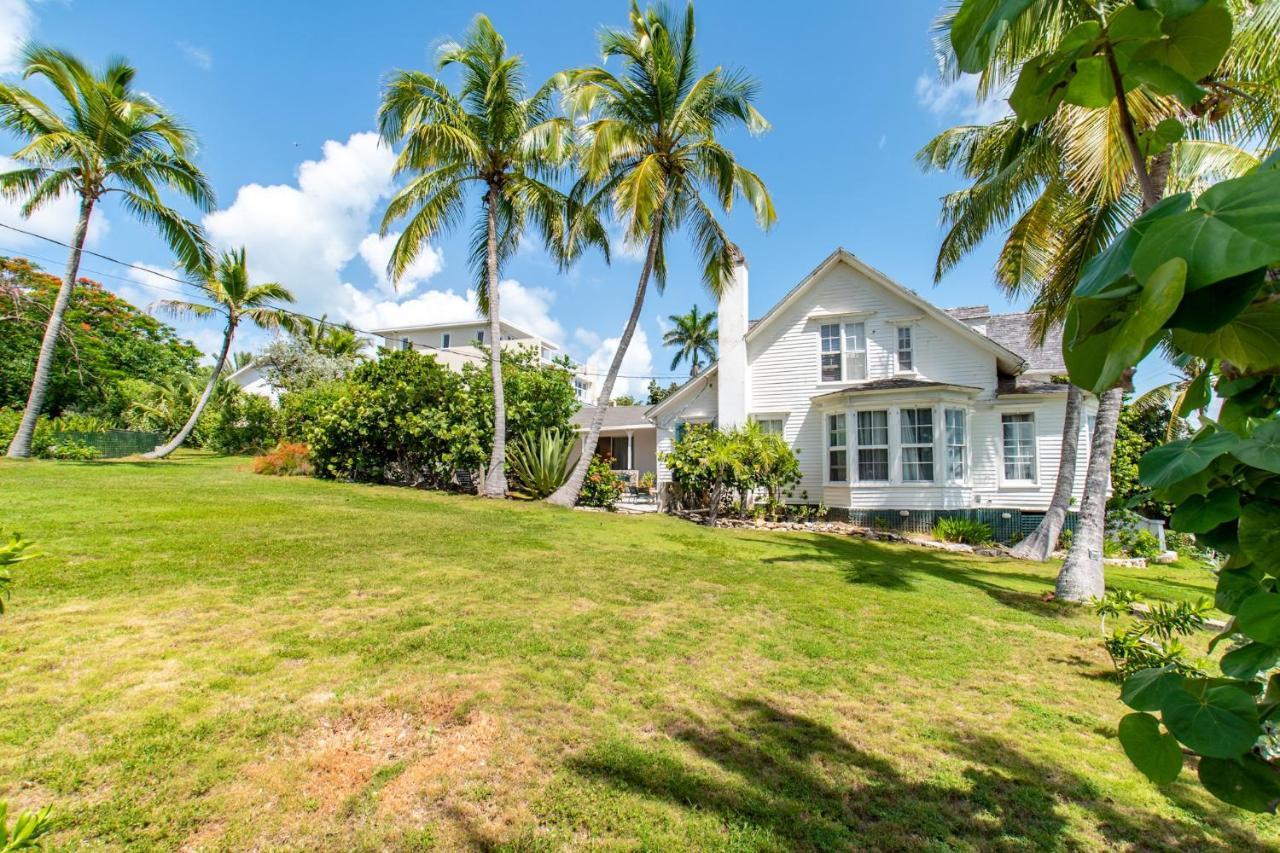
210,659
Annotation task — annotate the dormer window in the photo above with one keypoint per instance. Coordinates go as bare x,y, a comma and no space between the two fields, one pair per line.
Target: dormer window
843,352
906,355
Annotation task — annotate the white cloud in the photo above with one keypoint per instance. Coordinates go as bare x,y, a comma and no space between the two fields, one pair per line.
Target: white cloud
376,252
638,361
57,220
958,99
302,236
16,23
198,56
526,307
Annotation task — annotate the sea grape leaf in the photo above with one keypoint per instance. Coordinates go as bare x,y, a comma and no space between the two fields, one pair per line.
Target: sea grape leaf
1262,448
1200,514
1155,753
1177,460
1220,722
1248,782
1260,535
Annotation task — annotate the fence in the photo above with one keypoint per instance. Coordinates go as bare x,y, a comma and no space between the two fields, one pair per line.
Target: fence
114,443
1007,525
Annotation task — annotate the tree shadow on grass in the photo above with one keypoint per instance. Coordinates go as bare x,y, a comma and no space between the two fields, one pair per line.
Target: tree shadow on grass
799,781
874,564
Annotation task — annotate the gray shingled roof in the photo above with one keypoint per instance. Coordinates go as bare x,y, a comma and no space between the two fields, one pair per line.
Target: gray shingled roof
1013,332
897,383
614,417
1020,385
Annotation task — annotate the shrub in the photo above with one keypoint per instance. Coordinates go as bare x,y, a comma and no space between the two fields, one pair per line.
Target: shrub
243,423
12,552
70,449
967,531
708,465
403,419
1151,639
1126,538
27,830
297,411
601,487
287,460
540,464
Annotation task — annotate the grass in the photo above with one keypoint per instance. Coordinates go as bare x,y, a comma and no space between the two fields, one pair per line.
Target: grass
209,659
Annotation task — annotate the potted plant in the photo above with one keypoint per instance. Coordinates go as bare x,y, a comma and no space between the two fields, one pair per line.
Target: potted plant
646,483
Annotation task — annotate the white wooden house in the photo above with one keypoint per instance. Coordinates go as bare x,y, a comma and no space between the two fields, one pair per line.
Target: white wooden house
897,409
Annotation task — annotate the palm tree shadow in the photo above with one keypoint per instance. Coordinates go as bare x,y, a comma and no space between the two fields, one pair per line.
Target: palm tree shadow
800,782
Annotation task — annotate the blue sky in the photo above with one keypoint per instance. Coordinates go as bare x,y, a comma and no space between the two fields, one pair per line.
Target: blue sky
283,102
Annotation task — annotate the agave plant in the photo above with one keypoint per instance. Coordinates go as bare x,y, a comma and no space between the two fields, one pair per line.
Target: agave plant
539,464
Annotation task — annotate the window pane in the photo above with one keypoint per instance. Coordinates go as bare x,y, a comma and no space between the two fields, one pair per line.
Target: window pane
831,367
917,426
770,426
873,429
831,338
956,442
905,360
836,435
873,463
917,464
1019,447
837,467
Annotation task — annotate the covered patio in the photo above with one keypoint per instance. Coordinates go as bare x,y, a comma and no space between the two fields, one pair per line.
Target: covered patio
628,440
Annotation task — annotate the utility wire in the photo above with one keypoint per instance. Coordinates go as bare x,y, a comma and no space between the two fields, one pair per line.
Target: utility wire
311,318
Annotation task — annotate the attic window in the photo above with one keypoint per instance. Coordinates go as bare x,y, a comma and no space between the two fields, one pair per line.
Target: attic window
906,356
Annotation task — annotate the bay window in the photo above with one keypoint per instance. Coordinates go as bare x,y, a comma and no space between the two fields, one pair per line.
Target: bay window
917,445
873,446
956,436
837,449
1019,432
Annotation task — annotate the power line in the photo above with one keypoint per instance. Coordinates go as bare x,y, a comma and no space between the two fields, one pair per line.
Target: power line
311,318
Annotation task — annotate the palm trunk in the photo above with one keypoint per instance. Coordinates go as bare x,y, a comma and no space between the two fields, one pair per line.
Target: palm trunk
567,495
1081,577
1039,545
495,481
177,440
20,447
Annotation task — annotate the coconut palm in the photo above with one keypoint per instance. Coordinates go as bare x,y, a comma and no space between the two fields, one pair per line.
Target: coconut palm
490,136
107,138
694,336
236,299
650,152
332,339
1064,188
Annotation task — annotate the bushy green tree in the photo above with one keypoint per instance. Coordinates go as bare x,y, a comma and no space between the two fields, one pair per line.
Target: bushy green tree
104,340
404,419
538,396
1140,429
1198,269
708,465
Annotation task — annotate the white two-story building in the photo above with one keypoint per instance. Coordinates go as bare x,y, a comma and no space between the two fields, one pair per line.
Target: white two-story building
897,409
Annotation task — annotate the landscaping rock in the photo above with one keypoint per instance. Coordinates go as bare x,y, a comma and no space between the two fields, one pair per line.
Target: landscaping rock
1167,557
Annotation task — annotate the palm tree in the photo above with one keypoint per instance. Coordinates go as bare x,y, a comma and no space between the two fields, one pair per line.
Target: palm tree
110,138
1064,188
236,299
491,136
650,151
695,336
335,340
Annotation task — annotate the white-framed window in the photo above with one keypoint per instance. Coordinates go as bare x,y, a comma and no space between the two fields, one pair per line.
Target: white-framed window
957,443
843,352
830,366
873,446
404,344
580,387
770,425
837,449
1019,432
855,351
445,339
917,445
906,354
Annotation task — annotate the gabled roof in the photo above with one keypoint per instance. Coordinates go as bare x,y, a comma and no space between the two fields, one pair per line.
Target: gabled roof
1013,331
1008,360
692,382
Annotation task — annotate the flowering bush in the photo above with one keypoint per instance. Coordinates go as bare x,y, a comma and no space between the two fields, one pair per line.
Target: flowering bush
287,460
601,487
